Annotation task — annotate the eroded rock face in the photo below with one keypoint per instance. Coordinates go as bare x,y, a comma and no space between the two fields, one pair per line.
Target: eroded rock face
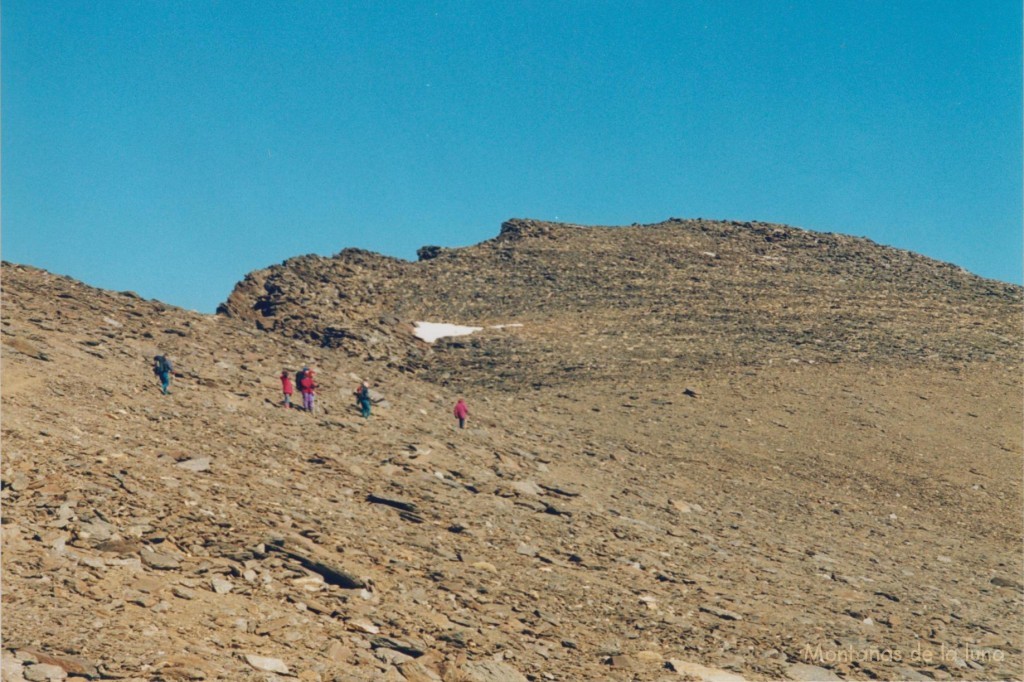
518,229
606,514
341,303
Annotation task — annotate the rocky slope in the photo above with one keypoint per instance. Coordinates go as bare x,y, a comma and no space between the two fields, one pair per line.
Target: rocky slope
758,506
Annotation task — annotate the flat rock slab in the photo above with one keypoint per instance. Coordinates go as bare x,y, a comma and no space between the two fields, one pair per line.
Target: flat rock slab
185,667
364,625
528,488
702,672
637,662
271,665
159,560
414,671
11,666
491,671
221,586
73,665
685,507
197,465
42,672
182,592
1003,582
389,501
331,574
721,613
810,673
400,646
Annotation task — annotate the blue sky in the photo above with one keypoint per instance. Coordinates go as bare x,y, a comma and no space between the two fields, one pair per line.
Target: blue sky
171,147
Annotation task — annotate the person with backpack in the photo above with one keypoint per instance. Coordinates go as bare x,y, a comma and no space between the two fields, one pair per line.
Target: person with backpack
308,387
461,413
162,368
287,388
363,399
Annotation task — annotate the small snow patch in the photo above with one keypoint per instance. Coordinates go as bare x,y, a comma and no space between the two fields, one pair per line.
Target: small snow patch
432,331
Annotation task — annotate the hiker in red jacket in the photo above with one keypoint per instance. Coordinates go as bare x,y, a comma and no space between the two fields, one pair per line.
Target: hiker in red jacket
286,386
307,386
461,413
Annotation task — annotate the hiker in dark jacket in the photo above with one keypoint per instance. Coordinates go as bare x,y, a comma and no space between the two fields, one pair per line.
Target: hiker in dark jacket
162,368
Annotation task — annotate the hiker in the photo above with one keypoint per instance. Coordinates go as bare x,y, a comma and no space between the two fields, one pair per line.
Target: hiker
307,385
461,413
286,386
162,368
363,398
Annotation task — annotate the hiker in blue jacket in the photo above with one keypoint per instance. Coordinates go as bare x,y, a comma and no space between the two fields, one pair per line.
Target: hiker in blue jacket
363,399
162,368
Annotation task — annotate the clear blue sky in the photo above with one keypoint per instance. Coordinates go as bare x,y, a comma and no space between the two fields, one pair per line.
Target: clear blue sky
171,147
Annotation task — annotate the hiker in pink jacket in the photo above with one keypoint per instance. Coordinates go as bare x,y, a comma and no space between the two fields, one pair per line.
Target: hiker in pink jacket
461,413
287,388
308,387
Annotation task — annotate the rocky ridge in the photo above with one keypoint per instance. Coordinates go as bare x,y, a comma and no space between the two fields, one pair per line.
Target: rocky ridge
679,296
737,519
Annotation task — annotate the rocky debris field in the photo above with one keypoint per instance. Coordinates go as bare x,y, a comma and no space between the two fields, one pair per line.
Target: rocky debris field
851,519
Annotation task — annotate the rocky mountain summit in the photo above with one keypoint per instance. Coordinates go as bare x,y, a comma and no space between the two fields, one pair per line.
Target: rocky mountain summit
644,300
712,451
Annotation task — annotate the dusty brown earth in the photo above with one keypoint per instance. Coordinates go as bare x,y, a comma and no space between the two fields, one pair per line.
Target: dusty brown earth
798,457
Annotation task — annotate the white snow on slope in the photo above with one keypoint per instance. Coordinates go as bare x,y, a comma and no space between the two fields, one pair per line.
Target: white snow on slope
432,331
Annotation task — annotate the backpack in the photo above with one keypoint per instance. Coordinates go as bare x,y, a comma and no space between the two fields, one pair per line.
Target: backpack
163,365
